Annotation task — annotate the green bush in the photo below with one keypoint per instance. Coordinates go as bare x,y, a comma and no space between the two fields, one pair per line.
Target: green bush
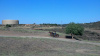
8,25
75,29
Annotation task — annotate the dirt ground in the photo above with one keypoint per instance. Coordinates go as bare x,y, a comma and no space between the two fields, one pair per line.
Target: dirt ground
14,33
17,46
17,33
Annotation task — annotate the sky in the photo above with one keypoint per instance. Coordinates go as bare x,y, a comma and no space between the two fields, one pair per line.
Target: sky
50,11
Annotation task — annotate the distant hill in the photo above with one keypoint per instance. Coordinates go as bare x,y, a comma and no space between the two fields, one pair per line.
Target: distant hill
93,25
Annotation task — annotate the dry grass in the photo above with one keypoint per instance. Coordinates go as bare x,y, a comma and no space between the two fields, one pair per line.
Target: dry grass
16,46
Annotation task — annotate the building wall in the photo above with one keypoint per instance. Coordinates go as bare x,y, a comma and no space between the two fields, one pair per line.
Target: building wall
4,22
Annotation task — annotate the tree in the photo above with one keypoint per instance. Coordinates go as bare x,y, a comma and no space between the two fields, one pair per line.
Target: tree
75,29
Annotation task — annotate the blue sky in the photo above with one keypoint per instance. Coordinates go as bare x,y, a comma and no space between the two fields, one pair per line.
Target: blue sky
50,11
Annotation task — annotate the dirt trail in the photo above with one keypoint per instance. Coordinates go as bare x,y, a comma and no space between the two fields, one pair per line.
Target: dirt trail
15,33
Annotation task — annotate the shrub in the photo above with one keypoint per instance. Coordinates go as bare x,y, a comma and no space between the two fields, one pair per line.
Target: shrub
8,25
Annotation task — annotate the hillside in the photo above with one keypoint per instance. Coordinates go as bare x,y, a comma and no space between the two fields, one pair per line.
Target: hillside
93,25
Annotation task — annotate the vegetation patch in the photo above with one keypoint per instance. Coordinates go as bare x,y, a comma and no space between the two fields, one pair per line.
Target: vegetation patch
42,47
